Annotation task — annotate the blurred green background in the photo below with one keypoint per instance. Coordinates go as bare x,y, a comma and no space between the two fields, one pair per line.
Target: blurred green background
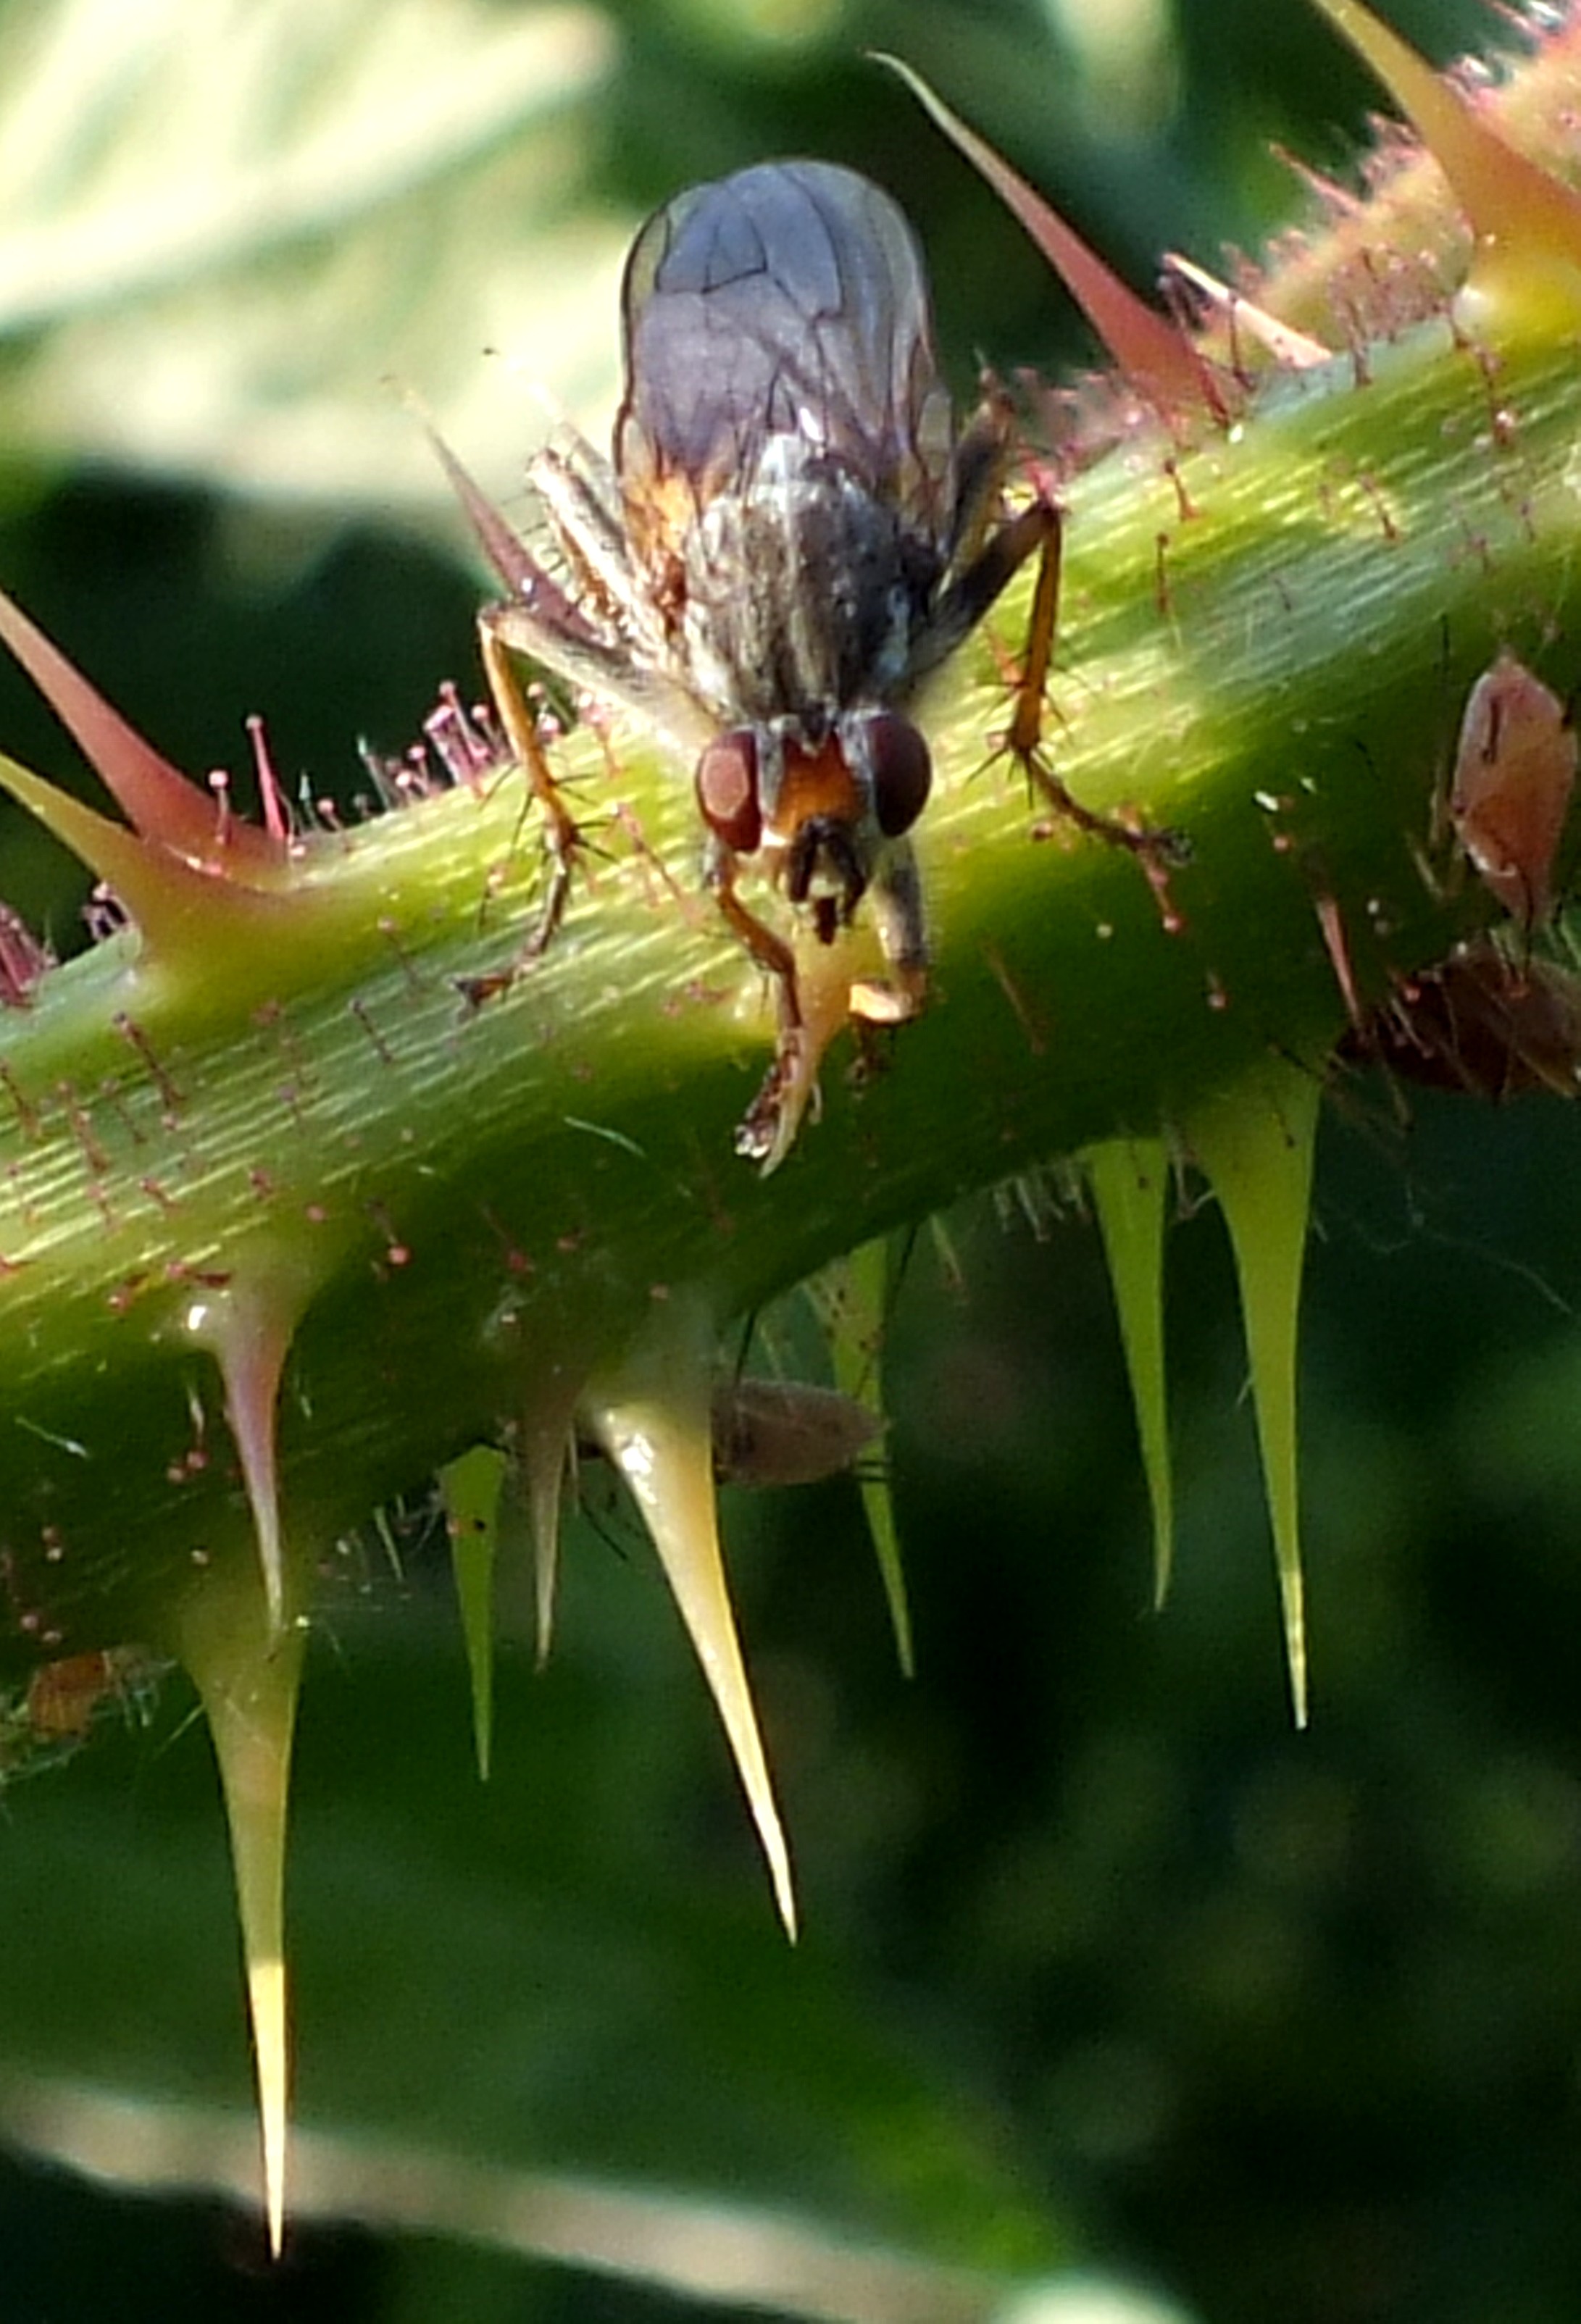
1110,1986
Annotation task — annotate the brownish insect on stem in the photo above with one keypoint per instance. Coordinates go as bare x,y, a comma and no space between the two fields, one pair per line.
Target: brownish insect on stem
792,535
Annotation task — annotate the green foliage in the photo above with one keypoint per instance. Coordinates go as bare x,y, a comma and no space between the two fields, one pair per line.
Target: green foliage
1073,1919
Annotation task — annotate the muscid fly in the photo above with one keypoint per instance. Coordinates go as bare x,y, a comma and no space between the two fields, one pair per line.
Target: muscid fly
792,535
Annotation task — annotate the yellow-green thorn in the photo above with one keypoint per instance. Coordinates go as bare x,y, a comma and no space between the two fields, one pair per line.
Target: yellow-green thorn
247,1325
651,1415
1129,1179
546,1443
1518,213
247,1675
471,1489
851,1300
1255,1143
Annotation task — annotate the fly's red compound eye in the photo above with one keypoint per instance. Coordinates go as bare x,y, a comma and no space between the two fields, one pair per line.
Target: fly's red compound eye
901,770
727,790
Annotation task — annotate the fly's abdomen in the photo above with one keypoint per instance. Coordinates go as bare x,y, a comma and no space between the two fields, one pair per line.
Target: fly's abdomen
785,303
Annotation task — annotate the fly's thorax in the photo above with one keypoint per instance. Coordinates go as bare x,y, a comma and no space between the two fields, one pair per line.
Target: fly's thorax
803,590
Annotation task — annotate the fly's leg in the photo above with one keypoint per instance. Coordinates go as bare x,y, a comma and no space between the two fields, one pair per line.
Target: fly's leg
562,836
768,1128
808,1023
895,903
1023,738
876,1005
1036,531
772,955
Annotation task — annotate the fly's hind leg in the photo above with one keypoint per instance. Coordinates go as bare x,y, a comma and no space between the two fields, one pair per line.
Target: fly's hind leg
562,835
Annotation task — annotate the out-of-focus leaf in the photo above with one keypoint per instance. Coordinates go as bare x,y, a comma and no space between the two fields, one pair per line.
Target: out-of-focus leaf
497,1983
224,230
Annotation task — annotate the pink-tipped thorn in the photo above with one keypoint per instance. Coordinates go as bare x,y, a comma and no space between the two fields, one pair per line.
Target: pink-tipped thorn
155,797
174,904
271,799
1160,362
503,547
1286,346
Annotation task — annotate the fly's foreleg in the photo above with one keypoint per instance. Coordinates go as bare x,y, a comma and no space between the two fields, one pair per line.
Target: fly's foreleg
561,835
772,955
1036,531
769,1126
895,903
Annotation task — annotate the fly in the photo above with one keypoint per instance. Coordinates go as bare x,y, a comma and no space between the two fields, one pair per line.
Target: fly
792,533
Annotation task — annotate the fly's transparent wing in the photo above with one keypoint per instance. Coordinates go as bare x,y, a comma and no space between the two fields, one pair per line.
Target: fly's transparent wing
786,301
540,618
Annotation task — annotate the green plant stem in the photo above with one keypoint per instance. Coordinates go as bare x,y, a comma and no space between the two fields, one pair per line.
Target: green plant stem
1265,644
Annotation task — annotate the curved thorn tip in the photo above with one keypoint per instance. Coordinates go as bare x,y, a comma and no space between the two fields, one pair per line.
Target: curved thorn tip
248,1678
1157,360
851,1300
1130,1179
1255,1143
157,799
547,1438
651,1417
471,1487
1517,210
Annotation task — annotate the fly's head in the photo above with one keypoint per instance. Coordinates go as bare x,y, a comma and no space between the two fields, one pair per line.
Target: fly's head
820,807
